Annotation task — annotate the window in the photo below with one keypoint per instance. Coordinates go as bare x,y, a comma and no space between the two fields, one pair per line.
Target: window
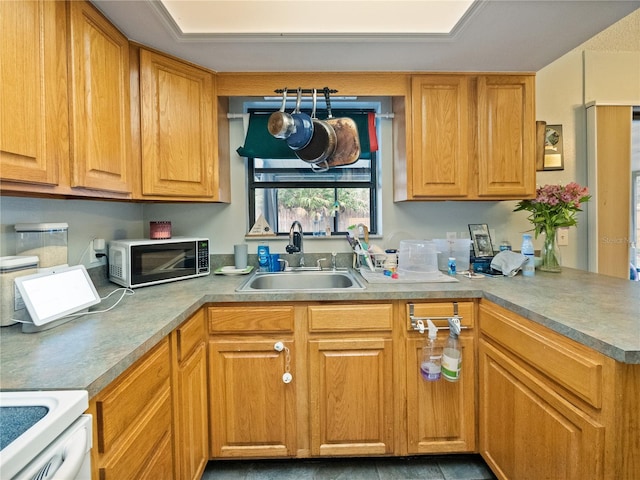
325,203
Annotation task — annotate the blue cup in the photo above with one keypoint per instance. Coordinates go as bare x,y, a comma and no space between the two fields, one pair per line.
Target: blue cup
275,265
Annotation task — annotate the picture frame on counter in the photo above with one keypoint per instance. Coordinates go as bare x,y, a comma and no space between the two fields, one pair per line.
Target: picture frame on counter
481,239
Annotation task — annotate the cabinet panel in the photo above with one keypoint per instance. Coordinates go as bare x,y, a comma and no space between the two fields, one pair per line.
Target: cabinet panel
190,397
527,430
177,128
192,418
34,126
506,136
351,395
574,367
252,409
350,318
251,318
101,131
441,415
440,164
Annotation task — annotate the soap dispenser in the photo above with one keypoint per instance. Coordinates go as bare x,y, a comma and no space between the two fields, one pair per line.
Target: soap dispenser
431,355
452,355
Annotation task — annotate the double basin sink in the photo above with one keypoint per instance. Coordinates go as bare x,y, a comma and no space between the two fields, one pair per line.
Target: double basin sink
302,280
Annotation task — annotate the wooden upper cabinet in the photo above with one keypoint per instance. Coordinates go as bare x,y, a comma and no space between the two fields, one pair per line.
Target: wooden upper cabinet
506,136
468,137
440,136
178,128
100,103
34,136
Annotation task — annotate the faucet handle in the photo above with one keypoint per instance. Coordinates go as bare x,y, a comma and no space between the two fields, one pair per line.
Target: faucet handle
318,263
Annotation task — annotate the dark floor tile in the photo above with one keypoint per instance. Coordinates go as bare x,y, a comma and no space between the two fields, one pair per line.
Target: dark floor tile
457,467
426,467
410,468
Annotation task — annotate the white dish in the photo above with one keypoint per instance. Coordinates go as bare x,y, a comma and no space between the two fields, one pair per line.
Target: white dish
232,270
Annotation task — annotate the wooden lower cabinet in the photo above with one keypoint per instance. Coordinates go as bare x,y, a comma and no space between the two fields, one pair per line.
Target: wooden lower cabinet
190,399
132,436
441,415
351,379
252,409
529,431
552,408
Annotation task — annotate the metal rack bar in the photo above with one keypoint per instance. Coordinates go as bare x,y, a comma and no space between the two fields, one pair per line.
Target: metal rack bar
308,91
414,319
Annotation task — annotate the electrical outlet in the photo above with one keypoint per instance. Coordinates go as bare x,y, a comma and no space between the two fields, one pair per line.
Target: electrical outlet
451,235
93,260
563,236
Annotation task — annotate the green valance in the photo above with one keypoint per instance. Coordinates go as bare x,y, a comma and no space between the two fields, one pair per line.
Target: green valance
259,143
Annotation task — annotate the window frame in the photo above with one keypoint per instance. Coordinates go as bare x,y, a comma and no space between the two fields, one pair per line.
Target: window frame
372,184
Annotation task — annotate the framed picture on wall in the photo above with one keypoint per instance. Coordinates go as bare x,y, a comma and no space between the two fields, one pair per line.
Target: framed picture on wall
481,239
553,155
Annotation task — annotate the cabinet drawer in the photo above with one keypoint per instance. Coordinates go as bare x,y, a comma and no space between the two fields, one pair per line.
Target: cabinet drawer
190,334
573,366
441,309
131,396
324,318
276,318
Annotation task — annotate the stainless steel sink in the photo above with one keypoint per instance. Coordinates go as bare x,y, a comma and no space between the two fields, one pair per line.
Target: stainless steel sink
302,280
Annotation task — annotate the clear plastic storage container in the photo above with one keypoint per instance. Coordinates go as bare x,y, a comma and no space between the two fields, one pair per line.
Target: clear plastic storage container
418,258
458,249
47,241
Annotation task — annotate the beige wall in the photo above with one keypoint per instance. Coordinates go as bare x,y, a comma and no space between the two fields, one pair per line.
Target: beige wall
606,69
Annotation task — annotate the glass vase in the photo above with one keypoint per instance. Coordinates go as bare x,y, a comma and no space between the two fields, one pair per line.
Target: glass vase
550,252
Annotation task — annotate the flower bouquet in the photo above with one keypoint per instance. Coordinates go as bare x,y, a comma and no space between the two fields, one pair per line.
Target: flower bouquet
554,206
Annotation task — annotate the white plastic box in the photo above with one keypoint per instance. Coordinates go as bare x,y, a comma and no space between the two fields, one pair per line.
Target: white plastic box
47,241
11,268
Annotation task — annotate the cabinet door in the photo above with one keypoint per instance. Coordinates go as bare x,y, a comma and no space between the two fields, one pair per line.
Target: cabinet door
530,432
440,415
506,136
439,167
177,122
101,121
252,409
190,400
34,125
351,395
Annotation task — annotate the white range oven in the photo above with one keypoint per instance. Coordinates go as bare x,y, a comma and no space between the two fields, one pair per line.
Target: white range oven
45,435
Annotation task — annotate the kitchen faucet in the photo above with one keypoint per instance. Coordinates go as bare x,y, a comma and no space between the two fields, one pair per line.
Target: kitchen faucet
295,241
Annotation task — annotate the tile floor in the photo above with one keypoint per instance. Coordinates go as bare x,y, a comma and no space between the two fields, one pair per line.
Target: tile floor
439,467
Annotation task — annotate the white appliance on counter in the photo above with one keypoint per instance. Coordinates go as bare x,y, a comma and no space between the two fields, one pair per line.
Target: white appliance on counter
45,435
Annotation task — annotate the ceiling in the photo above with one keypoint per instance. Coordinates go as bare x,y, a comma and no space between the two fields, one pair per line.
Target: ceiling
494,35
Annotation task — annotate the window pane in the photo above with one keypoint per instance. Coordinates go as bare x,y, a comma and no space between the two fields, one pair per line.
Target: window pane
322,209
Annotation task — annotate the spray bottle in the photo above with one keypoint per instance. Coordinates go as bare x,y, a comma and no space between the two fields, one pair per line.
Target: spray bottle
452,355
431,355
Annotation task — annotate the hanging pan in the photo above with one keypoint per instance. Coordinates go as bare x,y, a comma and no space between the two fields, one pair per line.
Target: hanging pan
281,124
303,130
322,143
347,149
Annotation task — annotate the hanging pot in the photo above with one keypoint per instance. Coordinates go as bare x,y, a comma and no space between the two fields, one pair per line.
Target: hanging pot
322,143
280,123
303,131
347,149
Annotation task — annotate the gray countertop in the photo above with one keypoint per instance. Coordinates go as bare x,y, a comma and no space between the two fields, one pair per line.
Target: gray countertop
89,352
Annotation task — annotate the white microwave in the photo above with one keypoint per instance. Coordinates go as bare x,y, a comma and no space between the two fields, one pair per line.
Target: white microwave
138,263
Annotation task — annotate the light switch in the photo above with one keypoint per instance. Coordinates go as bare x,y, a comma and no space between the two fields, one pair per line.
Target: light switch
563,236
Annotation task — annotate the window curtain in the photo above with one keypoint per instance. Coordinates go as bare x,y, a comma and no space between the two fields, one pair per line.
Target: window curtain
259,143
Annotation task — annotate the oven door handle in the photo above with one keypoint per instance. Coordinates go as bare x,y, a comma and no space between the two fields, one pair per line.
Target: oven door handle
73,454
